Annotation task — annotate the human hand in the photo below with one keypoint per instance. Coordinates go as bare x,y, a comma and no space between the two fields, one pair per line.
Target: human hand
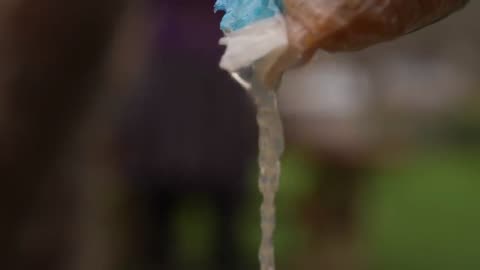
348,25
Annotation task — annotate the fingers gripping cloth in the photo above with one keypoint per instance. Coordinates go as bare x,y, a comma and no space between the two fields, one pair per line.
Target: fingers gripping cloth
255,28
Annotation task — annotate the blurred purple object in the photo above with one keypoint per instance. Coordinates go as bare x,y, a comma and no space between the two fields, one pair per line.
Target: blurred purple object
187,24
190,130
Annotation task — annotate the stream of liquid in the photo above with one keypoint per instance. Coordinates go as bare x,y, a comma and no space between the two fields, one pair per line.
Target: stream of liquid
271,146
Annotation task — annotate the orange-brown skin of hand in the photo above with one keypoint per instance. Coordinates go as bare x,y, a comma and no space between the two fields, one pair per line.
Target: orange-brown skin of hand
356,24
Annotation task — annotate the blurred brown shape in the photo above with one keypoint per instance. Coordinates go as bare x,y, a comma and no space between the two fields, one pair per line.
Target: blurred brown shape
53,75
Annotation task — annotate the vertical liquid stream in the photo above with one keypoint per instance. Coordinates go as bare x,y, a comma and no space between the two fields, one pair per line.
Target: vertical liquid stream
271,146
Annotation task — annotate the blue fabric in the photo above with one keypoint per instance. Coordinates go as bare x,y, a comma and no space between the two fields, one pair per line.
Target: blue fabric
240,13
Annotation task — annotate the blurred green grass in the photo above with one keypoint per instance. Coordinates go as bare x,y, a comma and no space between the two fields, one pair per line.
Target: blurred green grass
422,214
425,214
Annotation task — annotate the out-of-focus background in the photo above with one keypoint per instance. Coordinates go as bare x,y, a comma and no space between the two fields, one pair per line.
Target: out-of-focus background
124,146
